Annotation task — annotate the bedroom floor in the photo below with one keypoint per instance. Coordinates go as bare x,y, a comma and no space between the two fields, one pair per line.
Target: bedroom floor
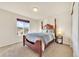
54,50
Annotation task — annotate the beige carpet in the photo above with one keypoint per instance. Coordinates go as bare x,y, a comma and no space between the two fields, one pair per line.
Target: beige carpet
58,50
54,50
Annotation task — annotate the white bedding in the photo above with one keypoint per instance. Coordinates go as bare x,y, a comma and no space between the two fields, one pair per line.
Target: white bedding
46,37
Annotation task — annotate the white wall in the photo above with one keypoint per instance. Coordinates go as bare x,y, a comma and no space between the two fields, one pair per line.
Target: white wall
64,23
8,29
75,30
35,25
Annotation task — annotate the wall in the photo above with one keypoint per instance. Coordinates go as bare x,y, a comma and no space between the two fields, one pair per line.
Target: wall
64,23
8,29
75,30
35,25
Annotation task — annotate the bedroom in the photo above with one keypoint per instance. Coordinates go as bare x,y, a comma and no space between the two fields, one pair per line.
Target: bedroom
46,13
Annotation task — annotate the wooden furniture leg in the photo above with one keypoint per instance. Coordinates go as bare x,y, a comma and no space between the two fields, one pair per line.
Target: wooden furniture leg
24,40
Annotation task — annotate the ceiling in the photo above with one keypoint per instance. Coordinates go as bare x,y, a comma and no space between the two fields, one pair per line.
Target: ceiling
45,9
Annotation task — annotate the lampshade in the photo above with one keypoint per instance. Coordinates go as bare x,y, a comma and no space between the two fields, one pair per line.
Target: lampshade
60,32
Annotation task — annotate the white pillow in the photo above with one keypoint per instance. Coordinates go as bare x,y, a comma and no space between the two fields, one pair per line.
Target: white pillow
44,30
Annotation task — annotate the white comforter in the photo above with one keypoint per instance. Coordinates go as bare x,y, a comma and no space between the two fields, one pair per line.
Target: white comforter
47,37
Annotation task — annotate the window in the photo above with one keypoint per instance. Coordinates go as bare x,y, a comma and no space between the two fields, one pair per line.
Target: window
22,26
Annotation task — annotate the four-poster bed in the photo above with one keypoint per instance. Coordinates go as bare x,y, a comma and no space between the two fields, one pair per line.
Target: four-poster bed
40,45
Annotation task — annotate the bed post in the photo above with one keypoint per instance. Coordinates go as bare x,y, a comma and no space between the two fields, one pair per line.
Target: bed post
55,30
24,40
40,48
40,54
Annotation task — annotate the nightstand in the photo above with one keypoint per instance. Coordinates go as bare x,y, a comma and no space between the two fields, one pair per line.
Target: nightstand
59,39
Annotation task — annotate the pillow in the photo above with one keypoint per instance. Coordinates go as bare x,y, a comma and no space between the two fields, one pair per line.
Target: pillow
44,30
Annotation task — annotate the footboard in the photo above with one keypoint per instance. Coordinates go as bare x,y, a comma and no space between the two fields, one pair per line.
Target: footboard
36,47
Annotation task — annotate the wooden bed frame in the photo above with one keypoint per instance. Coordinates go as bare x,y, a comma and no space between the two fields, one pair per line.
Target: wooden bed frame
37,46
